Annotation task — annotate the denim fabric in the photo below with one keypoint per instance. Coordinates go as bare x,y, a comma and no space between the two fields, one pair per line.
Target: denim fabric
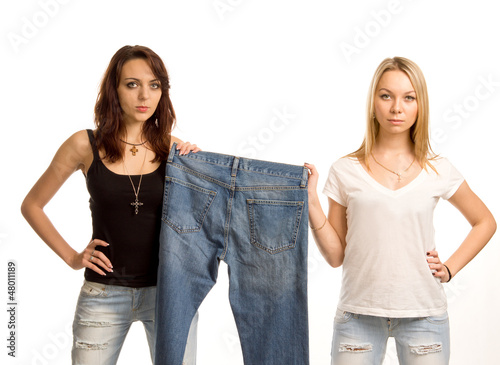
253,215
360,339
103,317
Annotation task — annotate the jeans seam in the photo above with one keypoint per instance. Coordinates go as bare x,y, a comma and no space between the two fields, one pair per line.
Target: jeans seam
201,176
250,188
273,175
256,188
194,158
228,219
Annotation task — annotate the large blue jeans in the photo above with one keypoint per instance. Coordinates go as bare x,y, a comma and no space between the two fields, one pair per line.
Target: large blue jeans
253,215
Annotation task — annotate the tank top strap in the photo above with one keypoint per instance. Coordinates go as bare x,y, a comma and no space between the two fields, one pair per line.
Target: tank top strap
90,133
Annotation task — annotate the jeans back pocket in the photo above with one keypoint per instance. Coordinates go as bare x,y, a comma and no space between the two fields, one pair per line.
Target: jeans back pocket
185,205
274,224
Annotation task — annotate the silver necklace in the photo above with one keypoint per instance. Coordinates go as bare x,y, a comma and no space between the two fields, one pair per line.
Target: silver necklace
399,174
136,204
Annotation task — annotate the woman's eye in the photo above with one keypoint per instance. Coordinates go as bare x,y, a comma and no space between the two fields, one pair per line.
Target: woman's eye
385,96
132,84
410,98
155,86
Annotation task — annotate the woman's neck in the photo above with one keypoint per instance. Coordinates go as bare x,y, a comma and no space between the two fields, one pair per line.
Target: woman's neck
396,144
133,133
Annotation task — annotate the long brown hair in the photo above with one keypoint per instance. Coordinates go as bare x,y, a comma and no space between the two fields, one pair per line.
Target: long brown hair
108,113
419,132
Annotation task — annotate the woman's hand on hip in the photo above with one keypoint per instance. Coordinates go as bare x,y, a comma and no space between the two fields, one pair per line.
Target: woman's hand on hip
435,264
93,259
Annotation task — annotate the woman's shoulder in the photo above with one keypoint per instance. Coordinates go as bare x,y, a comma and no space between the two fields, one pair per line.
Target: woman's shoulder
80,140
78,144
440,163
346,162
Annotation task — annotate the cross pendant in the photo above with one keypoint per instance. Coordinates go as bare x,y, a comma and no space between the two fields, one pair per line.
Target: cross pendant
134,150
399,177
136,204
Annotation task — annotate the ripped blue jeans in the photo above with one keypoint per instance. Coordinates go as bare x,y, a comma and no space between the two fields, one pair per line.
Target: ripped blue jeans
362,340
103,317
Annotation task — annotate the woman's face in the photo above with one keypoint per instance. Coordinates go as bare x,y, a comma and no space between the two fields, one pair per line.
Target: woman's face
395,102
139,91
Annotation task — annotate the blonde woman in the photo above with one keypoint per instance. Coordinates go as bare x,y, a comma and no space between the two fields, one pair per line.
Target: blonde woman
380,228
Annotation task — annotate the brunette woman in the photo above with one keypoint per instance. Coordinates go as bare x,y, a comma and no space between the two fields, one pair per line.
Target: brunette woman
123,161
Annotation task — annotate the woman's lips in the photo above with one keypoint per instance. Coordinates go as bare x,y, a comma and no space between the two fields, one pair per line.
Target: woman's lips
142,108
396,121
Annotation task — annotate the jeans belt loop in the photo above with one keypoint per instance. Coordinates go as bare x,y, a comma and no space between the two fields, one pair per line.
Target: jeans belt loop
235,166
172,152
305,176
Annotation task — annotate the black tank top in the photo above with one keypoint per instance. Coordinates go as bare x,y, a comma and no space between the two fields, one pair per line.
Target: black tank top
133,238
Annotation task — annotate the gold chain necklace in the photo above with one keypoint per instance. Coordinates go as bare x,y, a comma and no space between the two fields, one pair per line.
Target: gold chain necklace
136,203
394,172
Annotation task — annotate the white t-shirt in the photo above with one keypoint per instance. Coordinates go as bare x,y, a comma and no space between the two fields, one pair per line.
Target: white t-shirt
385,271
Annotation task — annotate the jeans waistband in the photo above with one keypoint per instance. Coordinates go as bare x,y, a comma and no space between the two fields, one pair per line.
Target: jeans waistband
247,164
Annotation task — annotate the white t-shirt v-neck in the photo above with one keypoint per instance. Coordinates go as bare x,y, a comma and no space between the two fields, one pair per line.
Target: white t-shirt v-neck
385,271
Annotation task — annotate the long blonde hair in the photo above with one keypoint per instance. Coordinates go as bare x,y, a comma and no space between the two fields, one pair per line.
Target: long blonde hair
419,132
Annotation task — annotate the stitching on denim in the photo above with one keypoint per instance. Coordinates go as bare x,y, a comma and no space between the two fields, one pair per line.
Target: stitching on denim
241,169
275,202
274,175
434,320
165,200
256,188
228,217
344,318
202,176
190,186
200,219
195,158
296,227
89,287
178,229
242,188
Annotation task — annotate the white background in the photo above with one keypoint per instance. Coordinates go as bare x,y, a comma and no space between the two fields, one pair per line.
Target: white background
234,65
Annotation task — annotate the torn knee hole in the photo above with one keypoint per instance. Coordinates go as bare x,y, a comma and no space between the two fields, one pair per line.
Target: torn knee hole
94,324
346,347
91,346
426,349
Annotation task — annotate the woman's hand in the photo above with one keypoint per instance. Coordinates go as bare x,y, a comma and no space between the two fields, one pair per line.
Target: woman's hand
92,258
312,184
186,147
326,230
436,264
